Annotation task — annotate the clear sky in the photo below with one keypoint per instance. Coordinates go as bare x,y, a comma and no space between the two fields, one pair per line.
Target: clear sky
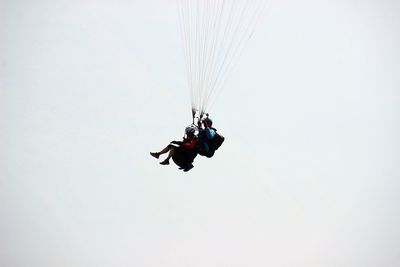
309,174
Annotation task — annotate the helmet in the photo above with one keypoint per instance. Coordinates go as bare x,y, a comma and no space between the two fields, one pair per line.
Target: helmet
208,121
190,130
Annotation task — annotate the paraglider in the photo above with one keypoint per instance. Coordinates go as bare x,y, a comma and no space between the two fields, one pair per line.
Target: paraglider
208,139
214,34
183,153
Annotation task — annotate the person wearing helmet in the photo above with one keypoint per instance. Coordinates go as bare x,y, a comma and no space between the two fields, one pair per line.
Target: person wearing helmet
205,135
181,152
209,140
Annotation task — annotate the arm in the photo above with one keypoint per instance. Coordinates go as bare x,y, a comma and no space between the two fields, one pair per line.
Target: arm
190,144
210,133
179,143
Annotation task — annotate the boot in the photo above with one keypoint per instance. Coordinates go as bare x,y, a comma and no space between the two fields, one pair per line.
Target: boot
155,154
164,162
188,168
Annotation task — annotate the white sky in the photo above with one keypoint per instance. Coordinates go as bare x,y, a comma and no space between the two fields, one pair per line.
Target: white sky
309,174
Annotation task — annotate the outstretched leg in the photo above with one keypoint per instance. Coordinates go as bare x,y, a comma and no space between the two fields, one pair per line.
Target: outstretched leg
157,154
170,149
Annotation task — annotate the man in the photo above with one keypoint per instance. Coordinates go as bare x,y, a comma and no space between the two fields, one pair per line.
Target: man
209,140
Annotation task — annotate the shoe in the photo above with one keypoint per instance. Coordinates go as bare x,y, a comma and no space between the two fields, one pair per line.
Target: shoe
188,168
165,162
155,154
